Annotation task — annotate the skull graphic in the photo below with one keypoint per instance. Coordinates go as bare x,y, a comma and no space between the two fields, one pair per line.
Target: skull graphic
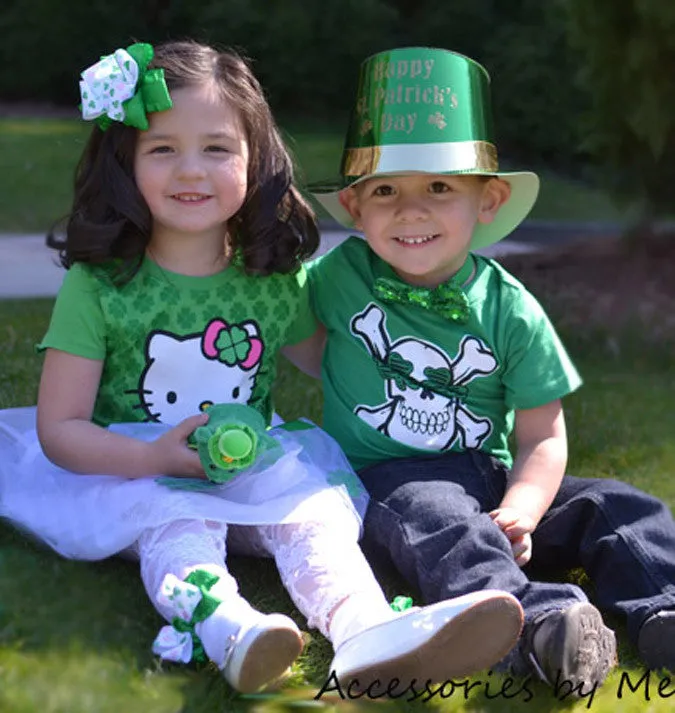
424,386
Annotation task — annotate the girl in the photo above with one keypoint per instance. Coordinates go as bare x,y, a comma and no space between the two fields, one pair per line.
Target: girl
184,248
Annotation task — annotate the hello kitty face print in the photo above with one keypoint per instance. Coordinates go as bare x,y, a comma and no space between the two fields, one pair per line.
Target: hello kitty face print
425,388
185,374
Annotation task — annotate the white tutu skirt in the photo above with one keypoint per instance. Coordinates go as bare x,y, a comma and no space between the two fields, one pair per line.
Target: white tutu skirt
95,516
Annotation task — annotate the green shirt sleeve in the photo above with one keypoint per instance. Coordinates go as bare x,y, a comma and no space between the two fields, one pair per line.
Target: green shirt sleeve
538,368
316,271
77,325
304,324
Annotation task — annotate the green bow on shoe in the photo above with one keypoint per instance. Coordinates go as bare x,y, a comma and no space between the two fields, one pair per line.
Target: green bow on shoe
120,87
401,603
190,602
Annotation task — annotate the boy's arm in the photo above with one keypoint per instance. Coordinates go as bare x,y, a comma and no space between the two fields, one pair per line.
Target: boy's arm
70,439
308,354
536,475
541,458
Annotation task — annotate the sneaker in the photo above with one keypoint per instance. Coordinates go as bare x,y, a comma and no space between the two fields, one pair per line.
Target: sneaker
570,644
259,654
451,639
656,640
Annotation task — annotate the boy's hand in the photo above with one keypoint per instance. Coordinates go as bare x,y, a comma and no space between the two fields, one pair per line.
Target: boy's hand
517,528
171,455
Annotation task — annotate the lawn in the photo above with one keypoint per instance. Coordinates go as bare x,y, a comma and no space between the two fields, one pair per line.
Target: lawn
75,637
38,158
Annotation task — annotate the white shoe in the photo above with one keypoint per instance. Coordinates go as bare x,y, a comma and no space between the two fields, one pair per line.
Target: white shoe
261,653
451,639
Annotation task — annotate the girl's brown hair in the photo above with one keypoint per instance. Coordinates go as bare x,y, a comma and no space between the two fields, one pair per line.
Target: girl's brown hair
275,229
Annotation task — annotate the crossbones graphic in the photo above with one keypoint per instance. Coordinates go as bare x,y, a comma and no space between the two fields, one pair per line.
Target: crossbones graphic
424,387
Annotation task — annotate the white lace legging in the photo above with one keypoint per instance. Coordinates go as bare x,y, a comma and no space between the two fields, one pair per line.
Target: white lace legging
320,565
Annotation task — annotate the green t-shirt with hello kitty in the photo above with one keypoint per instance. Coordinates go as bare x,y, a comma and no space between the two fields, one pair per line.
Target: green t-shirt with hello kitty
170,343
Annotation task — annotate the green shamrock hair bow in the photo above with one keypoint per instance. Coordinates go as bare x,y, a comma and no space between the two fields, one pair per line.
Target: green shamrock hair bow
120,87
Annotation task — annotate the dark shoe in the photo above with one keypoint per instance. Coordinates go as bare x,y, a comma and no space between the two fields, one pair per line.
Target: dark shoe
656,640
570,644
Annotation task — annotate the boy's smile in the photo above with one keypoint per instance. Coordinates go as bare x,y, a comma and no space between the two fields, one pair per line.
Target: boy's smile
416,240
422,224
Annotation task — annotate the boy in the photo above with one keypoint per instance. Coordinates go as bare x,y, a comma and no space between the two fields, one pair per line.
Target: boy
435,355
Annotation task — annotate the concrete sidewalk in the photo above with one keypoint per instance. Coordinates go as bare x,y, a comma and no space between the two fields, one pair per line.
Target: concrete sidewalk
28,268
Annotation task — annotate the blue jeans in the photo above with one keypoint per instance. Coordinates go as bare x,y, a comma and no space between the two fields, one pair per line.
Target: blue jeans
430,514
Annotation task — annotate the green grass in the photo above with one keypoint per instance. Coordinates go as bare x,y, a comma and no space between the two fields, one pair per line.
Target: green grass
75,637
37,164
38,158
570,200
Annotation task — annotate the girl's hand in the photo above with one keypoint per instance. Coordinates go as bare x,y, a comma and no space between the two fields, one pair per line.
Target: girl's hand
517,528
171,455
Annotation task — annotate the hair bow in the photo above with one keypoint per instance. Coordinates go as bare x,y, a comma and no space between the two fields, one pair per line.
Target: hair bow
120,87
447,299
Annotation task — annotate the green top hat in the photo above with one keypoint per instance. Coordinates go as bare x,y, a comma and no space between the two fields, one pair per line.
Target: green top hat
426,110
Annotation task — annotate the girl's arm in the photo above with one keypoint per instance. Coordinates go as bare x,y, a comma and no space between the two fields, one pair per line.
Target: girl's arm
68,389
537,472
307,355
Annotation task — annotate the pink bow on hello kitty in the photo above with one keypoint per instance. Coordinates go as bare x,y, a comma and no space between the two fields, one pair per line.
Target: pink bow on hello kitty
231,344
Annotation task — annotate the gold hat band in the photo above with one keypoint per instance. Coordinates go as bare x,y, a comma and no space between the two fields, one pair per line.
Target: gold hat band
448,157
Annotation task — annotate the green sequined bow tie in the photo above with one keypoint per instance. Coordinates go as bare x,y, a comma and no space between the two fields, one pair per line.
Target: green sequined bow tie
447,299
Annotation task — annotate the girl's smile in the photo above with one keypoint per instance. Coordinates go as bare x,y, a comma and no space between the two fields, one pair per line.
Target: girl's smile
191,197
